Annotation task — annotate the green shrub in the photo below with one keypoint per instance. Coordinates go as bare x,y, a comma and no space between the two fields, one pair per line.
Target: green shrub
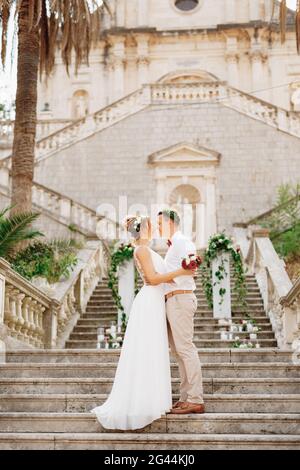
52,260
288,243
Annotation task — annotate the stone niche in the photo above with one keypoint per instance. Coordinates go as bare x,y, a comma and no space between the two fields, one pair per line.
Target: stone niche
185,176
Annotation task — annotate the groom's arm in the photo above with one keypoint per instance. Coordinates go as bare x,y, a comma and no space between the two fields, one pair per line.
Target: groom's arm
183,248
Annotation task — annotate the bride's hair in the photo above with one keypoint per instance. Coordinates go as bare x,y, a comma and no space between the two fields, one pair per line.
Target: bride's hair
134,224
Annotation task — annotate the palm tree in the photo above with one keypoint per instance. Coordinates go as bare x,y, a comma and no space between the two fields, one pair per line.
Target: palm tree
15,229
44,26
283,17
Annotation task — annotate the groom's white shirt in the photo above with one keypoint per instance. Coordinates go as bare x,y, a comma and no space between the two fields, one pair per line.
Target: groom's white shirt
181,247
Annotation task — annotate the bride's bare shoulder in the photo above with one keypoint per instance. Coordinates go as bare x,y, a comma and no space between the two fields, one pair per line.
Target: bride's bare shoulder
141,251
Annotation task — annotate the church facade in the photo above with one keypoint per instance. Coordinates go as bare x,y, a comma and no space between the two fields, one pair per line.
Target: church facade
147,41
215,126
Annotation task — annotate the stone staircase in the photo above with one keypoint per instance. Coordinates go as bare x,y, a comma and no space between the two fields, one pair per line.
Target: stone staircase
252,402
101,311
252,396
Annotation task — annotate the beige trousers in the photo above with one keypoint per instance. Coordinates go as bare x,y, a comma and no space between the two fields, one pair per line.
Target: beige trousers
181,309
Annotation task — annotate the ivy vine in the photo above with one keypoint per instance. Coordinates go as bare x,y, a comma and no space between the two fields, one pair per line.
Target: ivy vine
119,256
218,244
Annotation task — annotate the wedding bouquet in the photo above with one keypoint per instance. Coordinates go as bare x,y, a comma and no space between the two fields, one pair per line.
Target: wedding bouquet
191,262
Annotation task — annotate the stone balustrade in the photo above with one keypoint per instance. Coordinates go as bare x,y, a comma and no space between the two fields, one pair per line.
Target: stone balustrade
43,129
65,209
33,317
6,132
166,93
25,309
280,297
283,217
291,305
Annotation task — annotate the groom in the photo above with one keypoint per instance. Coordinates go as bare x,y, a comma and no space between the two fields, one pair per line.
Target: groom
181,305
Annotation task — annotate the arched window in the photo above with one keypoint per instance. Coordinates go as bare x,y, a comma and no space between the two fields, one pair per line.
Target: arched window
80,104
186,5
185,199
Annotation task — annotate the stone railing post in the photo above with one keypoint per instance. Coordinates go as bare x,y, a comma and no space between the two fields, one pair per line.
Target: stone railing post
126,287
221,304
2,326
273,281
291,318
50,324
282,120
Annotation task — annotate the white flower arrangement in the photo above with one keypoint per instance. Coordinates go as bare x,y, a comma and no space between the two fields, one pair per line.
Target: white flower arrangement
137,222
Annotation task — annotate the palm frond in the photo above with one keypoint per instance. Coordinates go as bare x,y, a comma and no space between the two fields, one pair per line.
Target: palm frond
298,26
283,15
5,211
70,26
4,18
283,11
15,229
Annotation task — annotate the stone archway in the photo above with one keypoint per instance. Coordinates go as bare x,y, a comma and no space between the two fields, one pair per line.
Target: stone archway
188,76
186,198
188,171
80,104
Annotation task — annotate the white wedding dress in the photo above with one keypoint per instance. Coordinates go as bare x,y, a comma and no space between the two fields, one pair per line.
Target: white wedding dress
141,391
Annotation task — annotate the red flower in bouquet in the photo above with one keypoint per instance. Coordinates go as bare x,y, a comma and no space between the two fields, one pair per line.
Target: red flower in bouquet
191,262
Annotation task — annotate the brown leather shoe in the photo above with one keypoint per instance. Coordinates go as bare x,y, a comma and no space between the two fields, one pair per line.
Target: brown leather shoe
177,404
188,408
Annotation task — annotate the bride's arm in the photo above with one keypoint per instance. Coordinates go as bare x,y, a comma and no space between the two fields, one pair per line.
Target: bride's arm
151,276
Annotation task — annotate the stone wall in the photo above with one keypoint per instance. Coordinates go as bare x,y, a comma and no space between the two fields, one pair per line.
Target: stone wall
255,159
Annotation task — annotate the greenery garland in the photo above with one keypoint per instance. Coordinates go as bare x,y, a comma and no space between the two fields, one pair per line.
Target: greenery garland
123,253
218,244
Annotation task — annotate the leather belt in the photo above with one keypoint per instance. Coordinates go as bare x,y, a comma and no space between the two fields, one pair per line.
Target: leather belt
176,292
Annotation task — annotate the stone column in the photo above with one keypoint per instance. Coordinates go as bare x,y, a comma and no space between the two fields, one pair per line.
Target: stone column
254,10
230,11
200,226
142,59
120,13
143,63
119,78
142,12
211,215
257,59
232,58
116,67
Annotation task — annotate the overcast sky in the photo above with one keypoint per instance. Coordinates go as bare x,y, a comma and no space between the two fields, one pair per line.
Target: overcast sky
8,79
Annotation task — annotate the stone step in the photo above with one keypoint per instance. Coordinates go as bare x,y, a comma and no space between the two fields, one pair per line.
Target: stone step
108,370
204,343
101,296
92,326
208,423
142,441
216,403
237,315
202,310
219,356
103,385
110,305
207,322
107,299
199,335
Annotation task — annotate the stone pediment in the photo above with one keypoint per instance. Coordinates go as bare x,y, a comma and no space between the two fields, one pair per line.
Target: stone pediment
184,153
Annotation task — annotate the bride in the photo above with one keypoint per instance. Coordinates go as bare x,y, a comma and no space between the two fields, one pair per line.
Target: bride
141,391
